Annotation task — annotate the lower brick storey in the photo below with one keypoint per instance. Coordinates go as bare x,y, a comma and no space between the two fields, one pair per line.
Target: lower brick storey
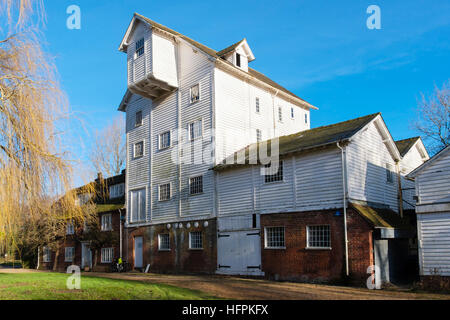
298,262
180,257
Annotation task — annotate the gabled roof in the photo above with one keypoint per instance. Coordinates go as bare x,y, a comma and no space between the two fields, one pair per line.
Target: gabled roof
223,52
233,47
405,145
416,172
211,52
306,140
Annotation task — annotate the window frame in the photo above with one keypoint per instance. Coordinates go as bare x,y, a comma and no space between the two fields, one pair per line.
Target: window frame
104,225
292,113
72,249
134,150
280,165
201,130
308,246
139,50
70,228
190,184
306,118
136,123
199,93
115,190
160,140
280,114
168,242
389,173
257,105
139,220
266,238
190,240
46,254
110,254
170,191
238,60
258,135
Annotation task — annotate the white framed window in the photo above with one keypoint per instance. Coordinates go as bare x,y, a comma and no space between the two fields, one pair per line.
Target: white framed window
258,135
164,242
138,202
292,113
274,238
107,255
106,222
70,228
306,118
164,192
195,240
140,48
196,185
82,199
389,173
195,130
257,105
274,176
69,254
138,119
117,190
318,237
194,93
280,114
164,140
46,254
238,60
138,149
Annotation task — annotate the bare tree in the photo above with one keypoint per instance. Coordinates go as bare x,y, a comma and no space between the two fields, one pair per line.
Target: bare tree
34,167
109,149
434,118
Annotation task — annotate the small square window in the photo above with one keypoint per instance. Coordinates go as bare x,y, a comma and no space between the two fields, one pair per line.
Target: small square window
280,114
140,48
195,130
107,255
257,105
318,236
164,192
274,238
106,222
274,176
138,119
389,173
164,242
69,254
195,93
164,140
195,240
196,185
139,149
70,228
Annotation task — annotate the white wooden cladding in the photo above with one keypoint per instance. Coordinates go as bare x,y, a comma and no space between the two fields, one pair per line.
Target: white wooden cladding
433,184
434,243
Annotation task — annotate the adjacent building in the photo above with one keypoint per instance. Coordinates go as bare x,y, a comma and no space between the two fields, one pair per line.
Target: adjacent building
432,192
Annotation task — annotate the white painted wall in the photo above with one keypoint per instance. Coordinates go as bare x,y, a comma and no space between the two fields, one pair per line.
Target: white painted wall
433,183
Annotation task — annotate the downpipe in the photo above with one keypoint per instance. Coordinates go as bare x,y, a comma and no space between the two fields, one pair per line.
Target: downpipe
344,187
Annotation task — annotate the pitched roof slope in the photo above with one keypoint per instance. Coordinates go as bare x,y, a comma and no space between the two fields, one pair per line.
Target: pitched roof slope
381,218
427,163
229,49
405,145
305,140
216,54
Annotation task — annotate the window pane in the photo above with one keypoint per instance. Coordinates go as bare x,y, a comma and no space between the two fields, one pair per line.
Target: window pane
274,176
138,118
196,185
195,93
275,237
164,242
196,241
142,205
319,237
164,192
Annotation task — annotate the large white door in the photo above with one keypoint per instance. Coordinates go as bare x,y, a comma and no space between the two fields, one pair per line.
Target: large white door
138,252
239,252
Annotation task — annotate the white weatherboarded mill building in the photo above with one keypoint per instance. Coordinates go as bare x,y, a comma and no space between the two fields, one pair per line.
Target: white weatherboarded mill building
188,109
432,180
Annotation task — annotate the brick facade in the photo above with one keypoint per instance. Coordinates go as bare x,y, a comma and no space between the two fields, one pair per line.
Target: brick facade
180,258
297,262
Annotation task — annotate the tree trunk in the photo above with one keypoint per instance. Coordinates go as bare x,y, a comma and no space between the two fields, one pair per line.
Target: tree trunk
55,263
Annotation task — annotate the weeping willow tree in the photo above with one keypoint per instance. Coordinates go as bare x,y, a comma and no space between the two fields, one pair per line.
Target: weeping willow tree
35,172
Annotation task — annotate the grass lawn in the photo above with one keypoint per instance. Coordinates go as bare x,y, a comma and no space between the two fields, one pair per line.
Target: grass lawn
52,286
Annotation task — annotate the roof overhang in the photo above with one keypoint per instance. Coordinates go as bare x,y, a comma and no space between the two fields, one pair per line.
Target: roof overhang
125,100
387,137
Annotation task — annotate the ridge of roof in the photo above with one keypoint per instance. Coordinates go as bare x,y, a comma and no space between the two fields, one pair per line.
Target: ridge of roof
305,140
406,144
252,72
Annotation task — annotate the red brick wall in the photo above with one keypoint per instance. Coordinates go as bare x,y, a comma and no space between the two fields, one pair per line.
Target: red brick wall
296,262
179,258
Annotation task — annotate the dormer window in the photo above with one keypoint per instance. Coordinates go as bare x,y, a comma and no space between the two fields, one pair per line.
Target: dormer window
238,60
139,48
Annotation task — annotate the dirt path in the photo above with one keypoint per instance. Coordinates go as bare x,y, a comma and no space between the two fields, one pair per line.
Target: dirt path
242,288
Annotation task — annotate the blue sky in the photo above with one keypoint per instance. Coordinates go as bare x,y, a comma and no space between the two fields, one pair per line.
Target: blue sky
319,49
